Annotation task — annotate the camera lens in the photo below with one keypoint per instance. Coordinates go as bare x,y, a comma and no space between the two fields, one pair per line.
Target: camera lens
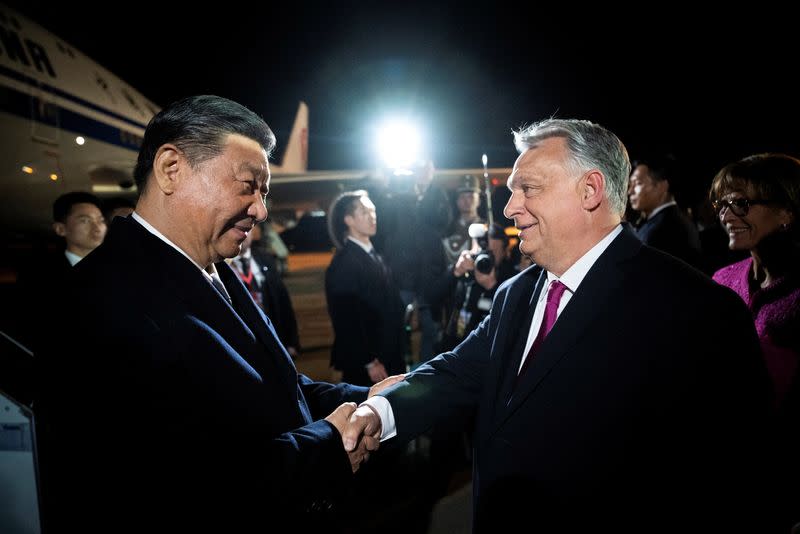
484,262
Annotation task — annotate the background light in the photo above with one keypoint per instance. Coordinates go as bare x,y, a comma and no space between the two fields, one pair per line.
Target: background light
398,144
80,140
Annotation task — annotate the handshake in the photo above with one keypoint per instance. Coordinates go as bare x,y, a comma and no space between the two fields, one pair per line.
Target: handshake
360,427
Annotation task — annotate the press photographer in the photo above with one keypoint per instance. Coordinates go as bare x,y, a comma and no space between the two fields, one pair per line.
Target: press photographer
480,271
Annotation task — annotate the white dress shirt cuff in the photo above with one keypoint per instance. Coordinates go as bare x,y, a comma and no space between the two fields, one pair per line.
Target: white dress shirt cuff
384,409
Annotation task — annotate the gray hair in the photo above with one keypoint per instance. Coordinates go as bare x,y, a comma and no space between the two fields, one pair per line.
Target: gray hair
591,147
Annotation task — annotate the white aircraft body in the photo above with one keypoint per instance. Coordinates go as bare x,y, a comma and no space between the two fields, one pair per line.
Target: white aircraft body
68,124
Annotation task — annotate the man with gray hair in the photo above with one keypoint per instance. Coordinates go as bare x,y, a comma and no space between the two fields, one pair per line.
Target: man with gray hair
576,425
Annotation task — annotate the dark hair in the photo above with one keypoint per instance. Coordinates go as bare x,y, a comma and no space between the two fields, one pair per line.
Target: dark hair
342,206
198,126
662,167
773,177
63,204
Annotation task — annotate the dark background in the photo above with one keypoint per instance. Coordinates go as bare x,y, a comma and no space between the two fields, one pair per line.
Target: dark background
708,88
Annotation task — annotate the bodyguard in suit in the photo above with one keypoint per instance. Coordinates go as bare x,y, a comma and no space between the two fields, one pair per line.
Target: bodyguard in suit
663,224
616,389
169,402
78,220
363,302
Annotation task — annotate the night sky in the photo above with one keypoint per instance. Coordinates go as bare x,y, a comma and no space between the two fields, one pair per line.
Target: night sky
708,89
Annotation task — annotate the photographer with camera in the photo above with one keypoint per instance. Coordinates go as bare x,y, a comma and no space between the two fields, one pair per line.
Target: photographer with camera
479,272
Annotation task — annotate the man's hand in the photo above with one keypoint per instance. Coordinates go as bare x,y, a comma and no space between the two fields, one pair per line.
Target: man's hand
464,264
340,416
363,438
360,453
364,428
376,370
385,383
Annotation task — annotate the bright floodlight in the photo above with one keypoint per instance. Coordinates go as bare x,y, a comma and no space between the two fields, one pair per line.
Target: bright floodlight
398,144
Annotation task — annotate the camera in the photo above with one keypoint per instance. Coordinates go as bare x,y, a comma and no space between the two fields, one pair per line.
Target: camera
484,259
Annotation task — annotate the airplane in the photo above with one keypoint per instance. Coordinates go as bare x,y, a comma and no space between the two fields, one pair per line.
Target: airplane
68,124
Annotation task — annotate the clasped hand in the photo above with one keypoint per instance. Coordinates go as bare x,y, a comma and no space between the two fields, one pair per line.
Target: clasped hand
360,427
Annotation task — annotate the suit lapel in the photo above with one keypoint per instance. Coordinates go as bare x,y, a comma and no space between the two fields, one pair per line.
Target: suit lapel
512,316
255,321
602,282
181,277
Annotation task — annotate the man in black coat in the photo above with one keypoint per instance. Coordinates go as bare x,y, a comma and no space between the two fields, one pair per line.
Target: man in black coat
662,223
363,301
589,414
168,402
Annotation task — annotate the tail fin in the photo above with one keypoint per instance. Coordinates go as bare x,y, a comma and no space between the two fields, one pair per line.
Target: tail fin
295,157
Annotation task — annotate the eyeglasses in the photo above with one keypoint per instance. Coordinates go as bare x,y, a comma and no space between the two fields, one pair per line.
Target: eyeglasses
739,206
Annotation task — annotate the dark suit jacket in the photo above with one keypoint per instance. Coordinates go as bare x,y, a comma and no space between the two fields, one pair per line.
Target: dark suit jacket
621,416
671,231
37,295
166,409
366,312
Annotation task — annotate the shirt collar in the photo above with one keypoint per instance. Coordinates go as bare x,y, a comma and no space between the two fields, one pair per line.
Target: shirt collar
207,271
367,247
72,257
573,276
661,208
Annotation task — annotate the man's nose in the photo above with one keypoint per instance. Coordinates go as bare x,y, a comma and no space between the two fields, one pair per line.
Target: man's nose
258,210
512,206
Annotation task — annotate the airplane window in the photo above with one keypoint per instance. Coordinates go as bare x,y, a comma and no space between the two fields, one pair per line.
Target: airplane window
101,82
132,102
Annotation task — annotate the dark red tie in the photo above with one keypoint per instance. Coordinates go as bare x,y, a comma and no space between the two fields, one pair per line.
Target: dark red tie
550,314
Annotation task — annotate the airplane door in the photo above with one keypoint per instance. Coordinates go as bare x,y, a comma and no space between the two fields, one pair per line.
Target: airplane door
45,118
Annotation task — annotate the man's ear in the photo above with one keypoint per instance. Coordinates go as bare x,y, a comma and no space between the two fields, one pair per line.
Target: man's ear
168,166
786,217
60,229
592,189
349,221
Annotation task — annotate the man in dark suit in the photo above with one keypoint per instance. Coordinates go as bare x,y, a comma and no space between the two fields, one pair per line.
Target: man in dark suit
78,220
363,302
663,224
169,404
591,416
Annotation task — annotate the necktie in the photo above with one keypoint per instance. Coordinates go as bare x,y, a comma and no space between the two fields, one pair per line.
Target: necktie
217,283
377,259
550,314
245,263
